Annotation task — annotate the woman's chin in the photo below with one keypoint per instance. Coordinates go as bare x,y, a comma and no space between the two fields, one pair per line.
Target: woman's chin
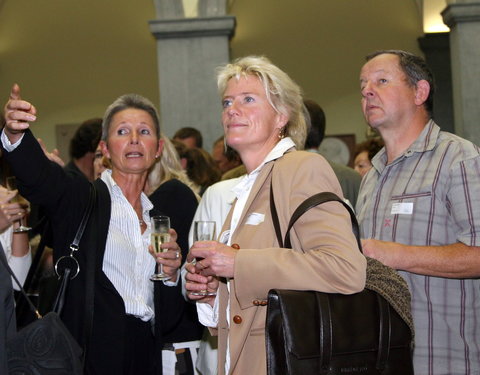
234,142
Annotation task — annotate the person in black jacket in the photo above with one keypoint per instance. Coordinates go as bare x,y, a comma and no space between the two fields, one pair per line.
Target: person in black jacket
170,191
112,289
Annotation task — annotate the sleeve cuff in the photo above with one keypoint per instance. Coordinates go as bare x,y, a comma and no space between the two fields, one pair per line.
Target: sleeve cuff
172,283
6,142
208,315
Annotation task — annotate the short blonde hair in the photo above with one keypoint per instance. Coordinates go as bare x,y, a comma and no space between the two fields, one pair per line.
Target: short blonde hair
283,94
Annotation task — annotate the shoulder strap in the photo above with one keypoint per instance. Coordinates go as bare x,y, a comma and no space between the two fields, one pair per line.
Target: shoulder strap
315,200
307,204
44,223
3,259
67,266
22,304
90,281
273,212
86,215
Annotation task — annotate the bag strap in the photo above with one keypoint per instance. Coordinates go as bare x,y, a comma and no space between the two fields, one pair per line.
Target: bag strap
30,303
273,212
67,267
90,287
307,204
22,304
45,224
86,215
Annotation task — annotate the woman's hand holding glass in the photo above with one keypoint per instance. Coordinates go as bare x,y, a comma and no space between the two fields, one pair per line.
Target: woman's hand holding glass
21,201
12,212
169,257
203,231
198,286
216,260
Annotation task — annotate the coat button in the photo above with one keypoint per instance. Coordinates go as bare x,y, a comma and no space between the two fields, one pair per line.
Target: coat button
256,302
236,246
237,319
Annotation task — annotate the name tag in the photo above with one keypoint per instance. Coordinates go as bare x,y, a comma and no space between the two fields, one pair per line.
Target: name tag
402,208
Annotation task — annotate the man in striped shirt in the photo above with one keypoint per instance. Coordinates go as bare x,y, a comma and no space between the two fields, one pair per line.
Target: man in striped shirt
419,211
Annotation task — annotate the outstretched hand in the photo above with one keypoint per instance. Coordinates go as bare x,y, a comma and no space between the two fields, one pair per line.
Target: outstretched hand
18,115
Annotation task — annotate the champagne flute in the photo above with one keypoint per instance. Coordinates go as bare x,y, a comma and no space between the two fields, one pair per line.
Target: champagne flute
159,235
203,231
11,183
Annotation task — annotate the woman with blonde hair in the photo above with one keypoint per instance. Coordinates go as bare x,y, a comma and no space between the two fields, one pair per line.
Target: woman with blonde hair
263,120
168,167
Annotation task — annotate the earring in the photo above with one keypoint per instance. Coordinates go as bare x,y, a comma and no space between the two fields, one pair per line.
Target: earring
281,133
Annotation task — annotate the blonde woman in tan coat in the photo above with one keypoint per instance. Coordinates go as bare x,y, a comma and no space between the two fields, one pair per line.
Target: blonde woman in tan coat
263,120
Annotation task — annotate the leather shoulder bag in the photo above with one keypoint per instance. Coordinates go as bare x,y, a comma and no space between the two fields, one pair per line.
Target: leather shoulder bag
311,332
45,346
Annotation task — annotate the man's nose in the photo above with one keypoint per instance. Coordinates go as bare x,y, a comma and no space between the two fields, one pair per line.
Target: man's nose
367,90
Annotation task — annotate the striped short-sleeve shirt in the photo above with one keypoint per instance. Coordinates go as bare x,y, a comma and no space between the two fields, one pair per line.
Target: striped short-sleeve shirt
430,195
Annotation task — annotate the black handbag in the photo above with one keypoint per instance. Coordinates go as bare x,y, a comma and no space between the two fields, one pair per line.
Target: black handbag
311,332
45,346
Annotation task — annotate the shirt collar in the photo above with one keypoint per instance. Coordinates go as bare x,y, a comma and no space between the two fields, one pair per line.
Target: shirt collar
115,190
280,148
277,151
426,141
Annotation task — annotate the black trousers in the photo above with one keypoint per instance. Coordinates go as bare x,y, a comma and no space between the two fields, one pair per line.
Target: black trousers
139,347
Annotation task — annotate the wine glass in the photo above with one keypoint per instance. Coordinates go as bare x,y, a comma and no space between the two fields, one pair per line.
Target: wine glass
203,231
160,234
11,183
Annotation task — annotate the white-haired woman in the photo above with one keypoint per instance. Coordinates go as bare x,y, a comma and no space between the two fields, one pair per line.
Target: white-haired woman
263,120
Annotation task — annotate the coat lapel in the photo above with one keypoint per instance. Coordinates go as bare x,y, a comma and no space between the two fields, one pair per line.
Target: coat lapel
259,182
236,343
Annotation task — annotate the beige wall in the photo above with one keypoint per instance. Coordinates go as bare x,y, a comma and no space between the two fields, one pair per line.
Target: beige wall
72,58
